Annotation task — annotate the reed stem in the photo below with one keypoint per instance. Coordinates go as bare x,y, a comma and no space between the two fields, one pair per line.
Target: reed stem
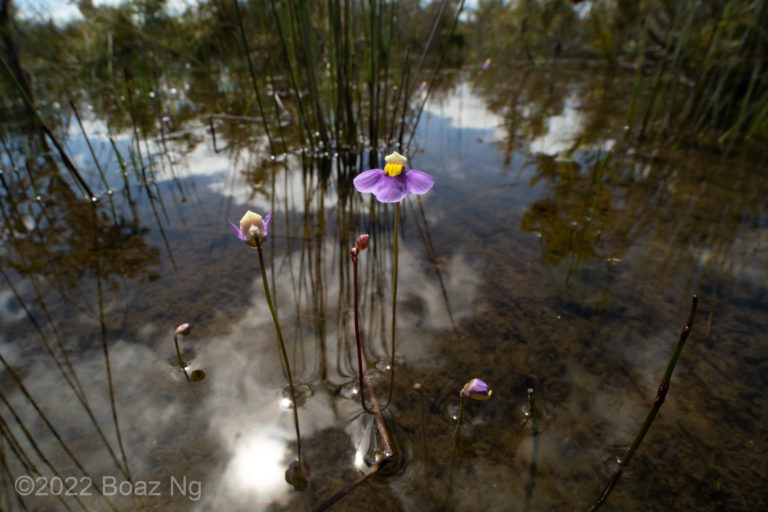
660,396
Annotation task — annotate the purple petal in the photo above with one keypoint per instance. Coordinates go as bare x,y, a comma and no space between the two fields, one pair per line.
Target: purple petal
418,182
266,223
237,231
391,189
367,181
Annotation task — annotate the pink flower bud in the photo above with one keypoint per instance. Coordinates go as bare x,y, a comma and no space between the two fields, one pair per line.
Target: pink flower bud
361,243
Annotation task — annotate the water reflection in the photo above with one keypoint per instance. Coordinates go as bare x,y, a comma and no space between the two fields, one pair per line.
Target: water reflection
563,269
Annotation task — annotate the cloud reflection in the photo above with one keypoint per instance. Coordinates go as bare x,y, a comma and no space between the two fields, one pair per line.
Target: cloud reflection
257,465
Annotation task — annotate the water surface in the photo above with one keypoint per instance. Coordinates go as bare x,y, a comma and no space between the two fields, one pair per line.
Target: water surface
551,254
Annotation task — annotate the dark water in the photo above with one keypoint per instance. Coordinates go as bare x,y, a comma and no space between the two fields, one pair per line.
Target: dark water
550,255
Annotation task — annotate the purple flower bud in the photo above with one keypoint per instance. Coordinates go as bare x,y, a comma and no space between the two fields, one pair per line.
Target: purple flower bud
183,329
477,390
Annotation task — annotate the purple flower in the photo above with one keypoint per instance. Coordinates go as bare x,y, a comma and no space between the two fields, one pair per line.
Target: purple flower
252,228
476,389
486,64
394,182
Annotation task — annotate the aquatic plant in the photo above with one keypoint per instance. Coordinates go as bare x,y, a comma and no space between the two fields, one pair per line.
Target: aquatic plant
361,244
196,375
253,230
661,394
391,185
475,389
384,456
181,330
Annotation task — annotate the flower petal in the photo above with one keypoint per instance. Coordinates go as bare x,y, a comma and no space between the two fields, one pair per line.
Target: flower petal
368,180
418,182
266,223
237,231
391,189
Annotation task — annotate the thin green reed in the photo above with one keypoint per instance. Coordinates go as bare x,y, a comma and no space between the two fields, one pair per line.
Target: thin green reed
706,66
682,42
433,76
253,77
656,87
287,54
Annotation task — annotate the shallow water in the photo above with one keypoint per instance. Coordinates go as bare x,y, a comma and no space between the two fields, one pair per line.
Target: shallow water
533,263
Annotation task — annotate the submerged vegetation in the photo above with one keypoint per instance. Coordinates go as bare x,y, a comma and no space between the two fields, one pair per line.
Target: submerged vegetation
105,105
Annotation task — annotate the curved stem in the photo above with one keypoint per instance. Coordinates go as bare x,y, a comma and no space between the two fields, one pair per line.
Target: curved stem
182,364
394,310
283,352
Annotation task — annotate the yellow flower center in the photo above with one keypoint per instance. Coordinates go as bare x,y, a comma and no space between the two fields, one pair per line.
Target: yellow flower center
393,169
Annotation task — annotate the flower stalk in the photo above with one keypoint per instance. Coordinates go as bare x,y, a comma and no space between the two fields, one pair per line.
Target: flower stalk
253,230
384,456
283,352
181,330
396,235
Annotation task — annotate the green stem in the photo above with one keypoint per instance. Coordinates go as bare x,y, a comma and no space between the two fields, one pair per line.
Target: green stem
394,309
283,352
253,79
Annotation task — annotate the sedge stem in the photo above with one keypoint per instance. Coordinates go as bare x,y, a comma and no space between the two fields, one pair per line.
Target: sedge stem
660,396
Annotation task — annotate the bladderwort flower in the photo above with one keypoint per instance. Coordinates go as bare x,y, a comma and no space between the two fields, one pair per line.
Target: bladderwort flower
395,181
476,389
253,228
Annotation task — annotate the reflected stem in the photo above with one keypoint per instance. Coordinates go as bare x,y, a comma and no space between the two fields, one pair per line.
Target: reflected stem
660,396
51,428
9,478
396,235
283,352
108,365
459,422
351,487
534,457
